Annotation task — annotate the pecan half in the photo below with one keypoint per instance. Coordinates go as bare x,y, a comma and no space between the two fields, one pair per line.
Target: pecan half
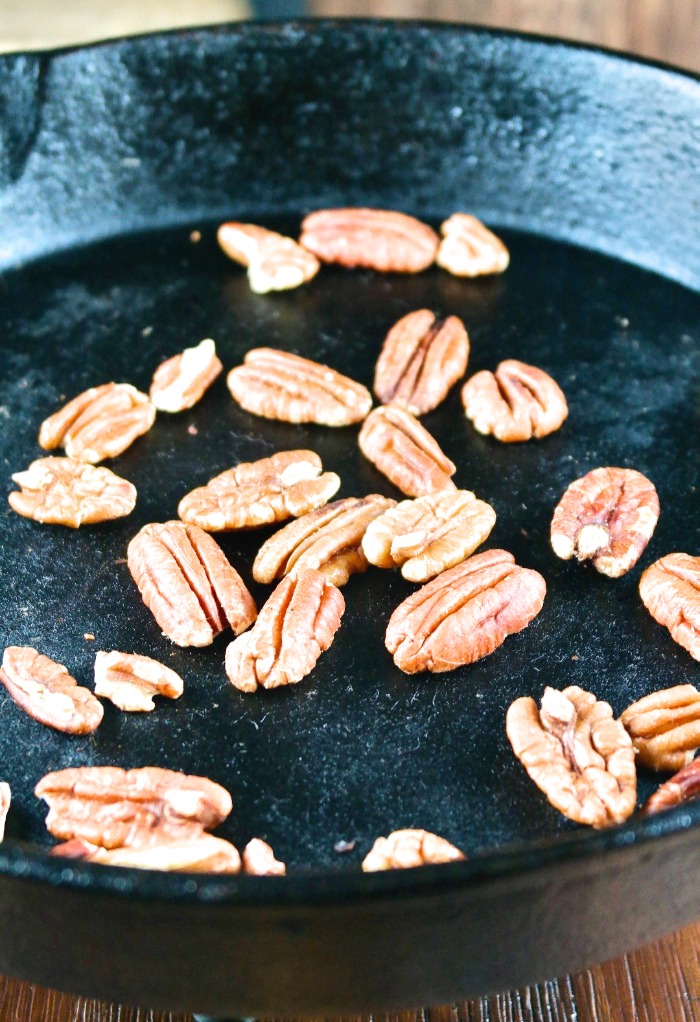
469,249
188,584
426,536
682,787
577,754
99,423
405,452
201,853
131,681
377,239
259,860
609,516
515,403
181,381
46,691
665,727
294,627
670,591
328,540
279,385
63,491
275,263
404,849
464,614
286,485
5,799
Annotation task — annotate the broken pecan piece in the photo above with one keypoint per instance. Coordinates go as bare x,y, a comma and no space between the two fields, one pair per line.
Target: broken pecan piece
665,727
188,584
131,681
181,381
405,452
294,627
5,799
64,491
377,239
609,516
469,249
403,849
670,591
577,754
275,263
464,614
46,691
201,853
682,787
259,860
99,423
515,403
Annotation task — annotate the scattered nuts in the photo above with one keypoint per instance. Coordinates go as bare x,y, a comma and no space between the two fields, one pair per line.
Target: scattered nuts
404,849
259,860
405,452
670,591
201,853
5,799
63,491
46,691
516,403
469,249
131,681
275,263
181,381
99,423
665,727
682,787
377,239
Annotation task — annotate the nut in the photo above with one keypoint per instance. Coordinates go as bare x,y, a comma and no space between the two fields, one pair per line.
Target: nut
275,263
665,727
464,614
670,591
259,860
5,799
99,423
181,381
469,249
286,485
608,516
188,584
421,359
377,239
404,849
328,540
202,853
295,626
516,403
63,491
279,385
426,536
131,681
682,787
577,754
46,691
405,452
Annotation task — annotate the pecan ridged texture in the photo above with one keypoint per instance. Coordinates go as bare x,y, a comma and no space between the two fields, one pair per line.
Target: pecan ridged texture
200,853
404,849
405,452
99,423
275,262
682,787
376,239
469,249
131,680
665,727
5,800
515,403
181,381
65,491
259,860
670,591
46,691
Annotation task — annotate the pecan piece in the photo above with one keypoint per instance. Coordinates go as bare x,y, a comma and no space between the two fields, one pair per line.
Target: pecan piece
181,381
279,385
426,536
201,853
286,485
421,359
670,591
403,849
469,249
577,754
188,584
275,263
294,627
682,787
515,403
608,516
99,423
665,727
131,681
377,239
259,860
5,799
64,491
46,691
328,540
405,452
464,614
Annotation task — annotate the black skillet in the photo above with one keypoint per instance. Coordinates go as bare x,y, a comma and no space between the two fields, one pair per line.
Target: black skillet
588,164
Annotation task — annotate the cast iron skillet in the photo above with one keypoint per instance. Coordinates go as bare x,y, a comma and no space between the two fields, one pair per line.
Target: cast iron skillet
588,164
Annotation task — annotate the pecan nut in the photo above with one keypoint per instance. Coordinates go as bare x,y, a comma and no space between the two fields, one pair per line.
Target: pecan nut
670,591
469,249
279,385
181,381
515,403
259,860
577,754
275,263
46,691
682,787
99,423
404,849
5,799
286,485
131,681
377,239
64,491
294,627
405,452
609,516
328,540
201,853
187,583
464,614
665,727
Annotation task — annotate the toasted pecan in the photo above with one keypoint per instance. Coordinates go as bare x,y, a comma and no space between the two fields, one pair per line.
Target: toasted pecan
181,381
670,591
405,452
64,491
377,239
99,423
46,691
515,403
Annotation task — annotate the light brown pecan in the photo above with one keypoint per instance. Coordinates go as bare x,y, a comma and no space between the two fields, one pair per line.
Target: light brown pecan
665,727
608,516
5,799
201,853
279,385
682,787
259,860
275,263
286,485
670,591
294,627
577,754
404,849
99,423
464,614
426,536
469,249
515,403
188,584
46,691
405,452
181,381
328,540
421,359
131,681
377,239
64,491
